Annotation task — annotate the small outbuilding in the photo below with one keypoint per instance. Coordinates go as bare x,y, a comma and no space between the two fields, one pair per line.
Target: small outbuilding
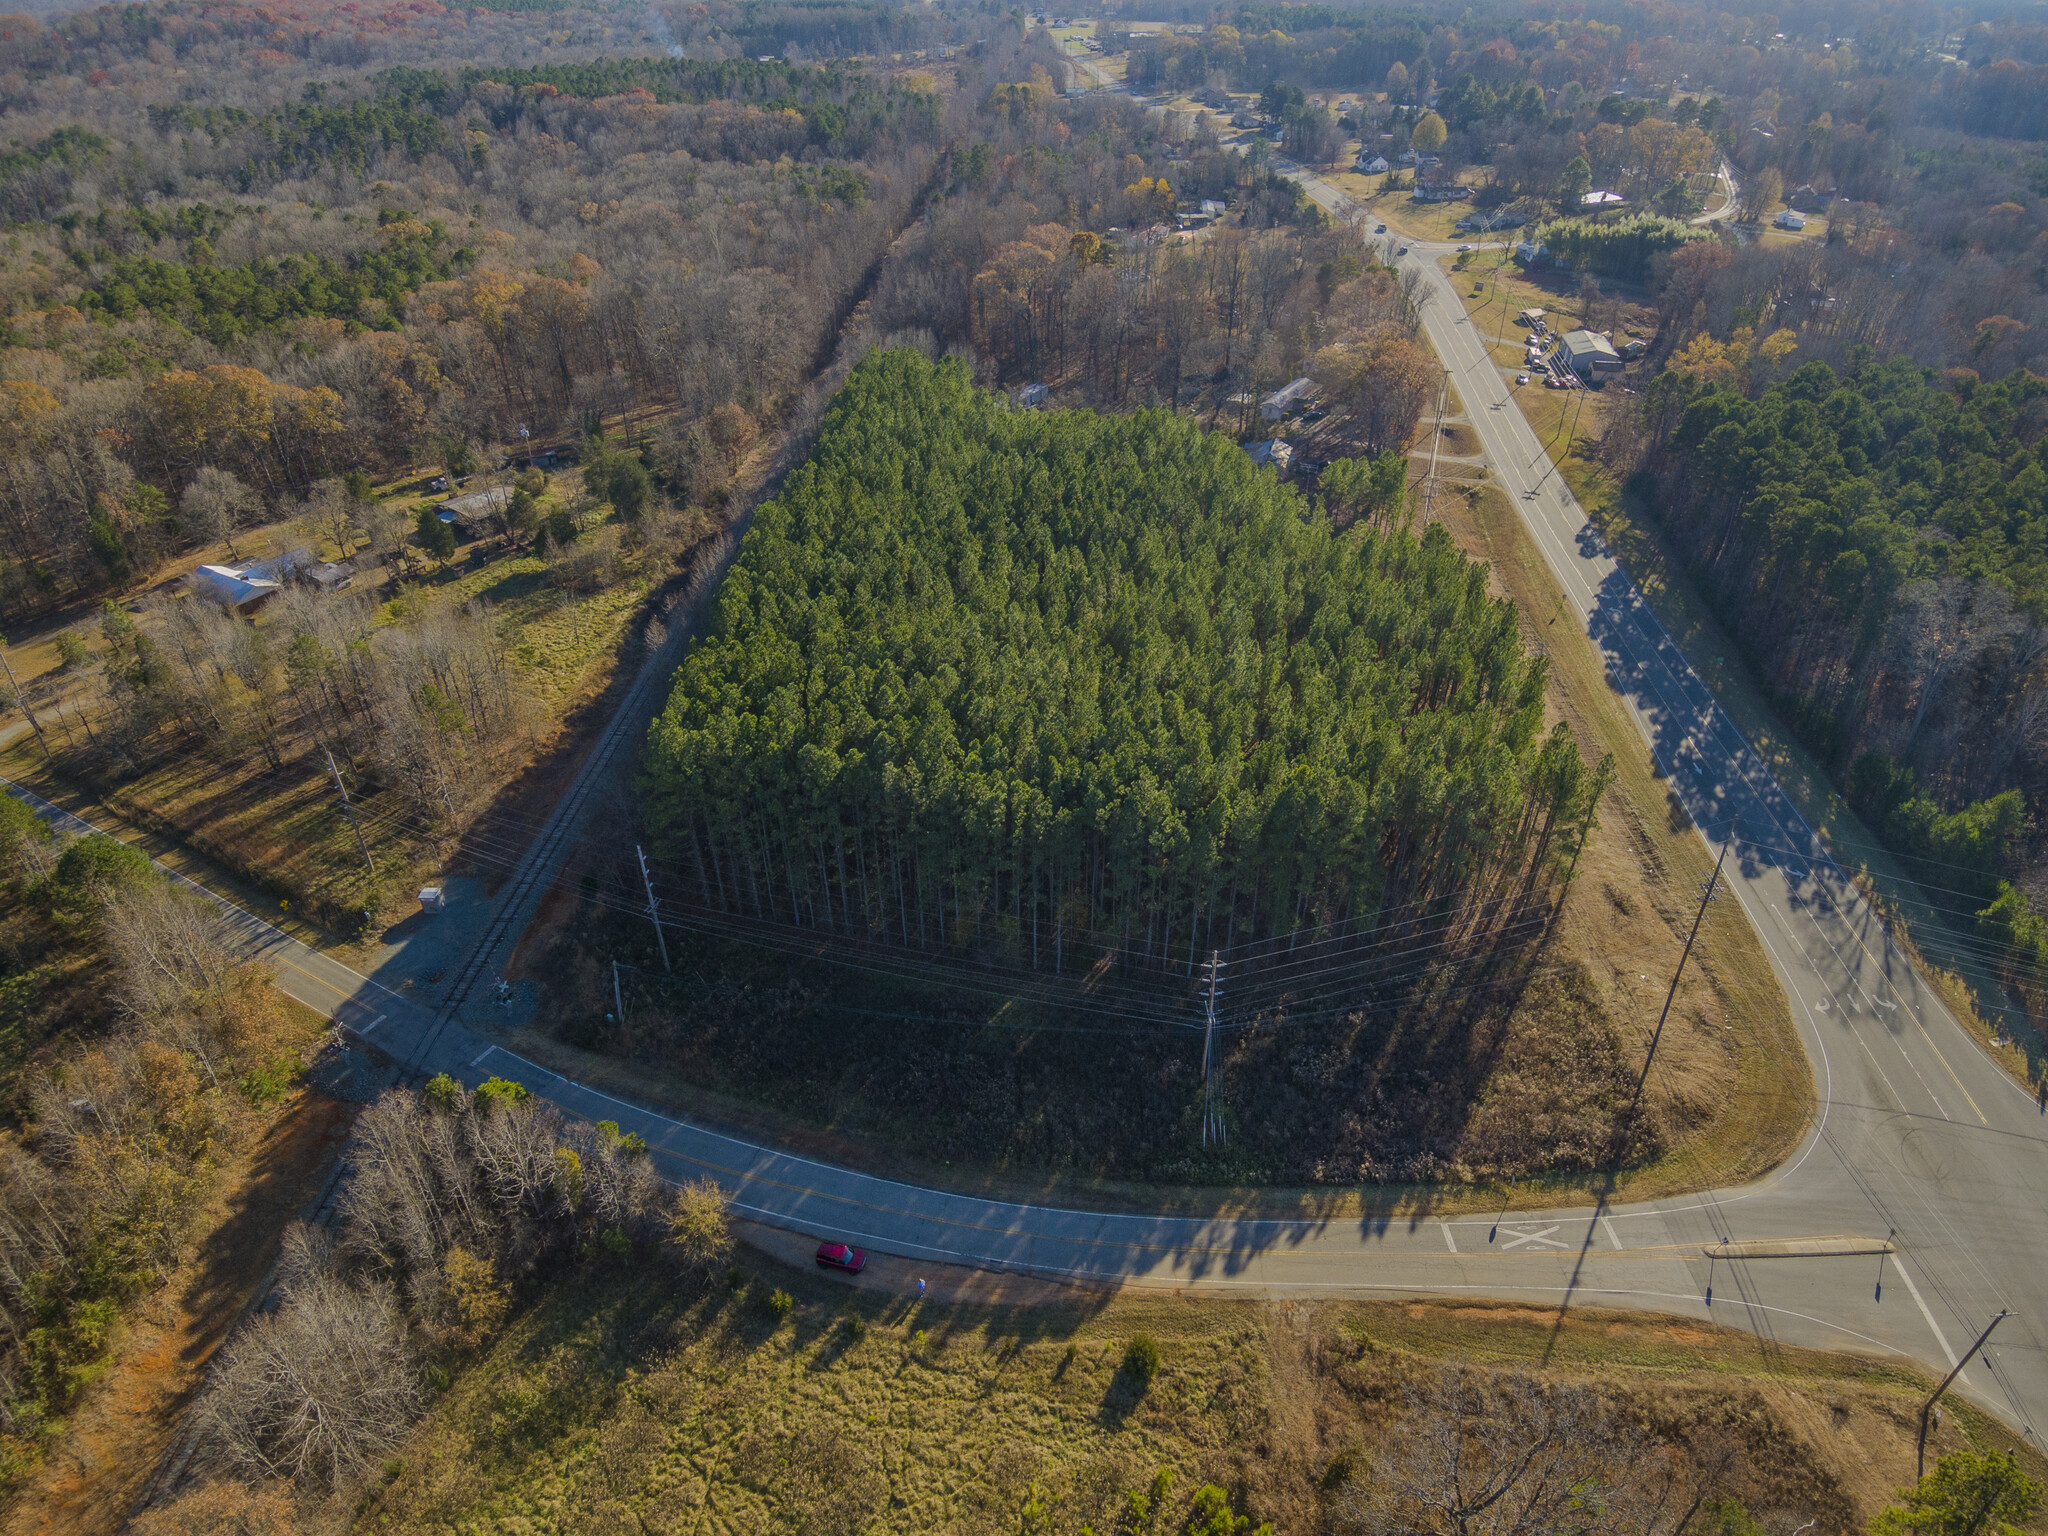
1032,396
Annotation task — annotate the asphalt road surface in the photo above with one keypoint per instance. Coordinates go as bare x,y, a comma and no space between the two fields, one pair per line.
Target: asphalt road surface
1921,1144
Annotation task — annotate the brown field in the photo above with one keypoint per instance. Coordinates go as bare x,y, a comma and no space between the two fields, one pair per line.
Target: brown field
627,1403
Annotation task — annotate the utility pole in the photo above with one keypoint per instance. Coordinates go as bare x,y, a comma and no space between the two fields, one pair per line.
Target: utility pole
653,910
1927,1408
1706,896
1436,438
350,812
618,1000
1212,989
22,699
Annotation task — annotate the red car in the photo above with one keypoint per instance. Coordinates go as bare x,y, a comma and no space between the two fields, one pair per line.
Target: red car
840,1256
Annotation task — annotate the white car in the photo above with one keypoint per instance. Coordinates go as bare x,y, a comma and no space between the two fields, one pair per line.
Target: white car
1521,378
1466,247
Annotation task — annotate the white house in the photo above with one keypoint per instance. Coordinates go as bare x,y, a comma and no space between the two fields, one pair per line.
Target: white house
1790,219
244,588
226,586
1599,200
1372,165
1281,401
1032,396
1276,453
1211,208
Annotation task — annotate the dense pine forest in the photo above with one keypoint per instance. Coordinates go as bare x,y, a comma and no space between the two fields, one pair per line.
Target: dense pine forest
1875,536
1045,684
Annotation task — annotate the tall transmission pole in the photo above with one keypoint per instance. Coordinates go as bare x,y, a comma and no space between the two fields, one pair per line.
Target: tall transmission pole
653,909
350,812
1212,989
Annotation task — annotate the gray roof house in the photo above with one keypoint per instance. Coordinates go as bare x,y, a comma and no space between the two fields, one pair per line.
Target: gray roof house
1588,354
1281,401
477,512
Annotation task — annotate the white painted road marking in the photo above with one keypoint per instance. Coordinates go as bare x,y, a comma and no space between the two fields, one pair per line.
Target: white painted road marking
1541,1239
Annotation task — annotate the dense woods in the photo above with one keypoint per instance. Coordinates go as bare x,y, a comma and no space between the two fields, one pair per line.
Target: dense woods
1036,683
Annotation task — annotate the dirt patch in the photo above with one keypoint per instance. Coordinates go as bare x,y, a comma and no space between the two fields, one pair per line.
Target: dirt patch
116,1438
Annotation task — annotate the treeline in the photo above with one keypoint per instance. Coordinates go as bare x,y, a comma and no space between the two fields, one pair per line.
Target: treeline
299,137
1876,539
226,303
980,680
613,255
122,1137
1620,248
458,1208
1229,319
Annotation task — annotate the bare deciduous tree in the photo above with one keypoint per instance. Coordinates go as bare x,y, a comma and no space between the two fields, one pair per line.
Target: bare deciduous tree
214,505
318,1390
1481,1455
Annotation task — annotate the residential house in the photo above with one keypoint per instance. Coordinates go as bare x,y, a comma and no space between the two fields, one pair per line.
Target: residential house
1281,401
243,589
1791,219
1275,452
1596,202
1032,396
225,585
477,513
1373,165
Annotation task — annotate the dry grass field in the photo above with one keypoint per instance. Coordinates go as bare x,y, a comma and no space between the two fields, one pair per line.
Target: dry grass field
627,1404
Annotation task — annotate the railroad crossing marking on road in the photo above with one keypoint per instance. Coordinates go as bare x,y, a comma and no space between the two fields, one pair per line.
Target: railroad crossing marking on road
1516,1238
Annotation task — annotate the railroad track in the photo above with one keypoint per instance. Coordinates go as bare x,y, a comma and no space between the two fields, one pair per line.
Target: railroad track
541,865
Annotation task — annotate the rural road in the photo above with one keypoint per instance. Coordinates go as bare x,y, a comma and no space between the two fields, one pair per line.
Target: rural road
1919,1136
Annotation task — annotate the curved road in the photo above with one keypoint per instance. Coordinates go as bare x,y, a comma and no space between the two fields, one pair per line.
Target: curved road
1919,1136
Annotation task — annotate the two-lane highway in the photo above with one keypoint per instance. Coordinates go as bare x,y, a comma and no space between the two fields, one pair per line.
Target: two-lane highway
1913,1210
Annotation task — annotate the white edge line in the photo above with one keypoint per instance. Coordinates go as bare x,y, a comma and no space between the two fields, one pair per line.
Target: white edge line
1445,1228
1914,1290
